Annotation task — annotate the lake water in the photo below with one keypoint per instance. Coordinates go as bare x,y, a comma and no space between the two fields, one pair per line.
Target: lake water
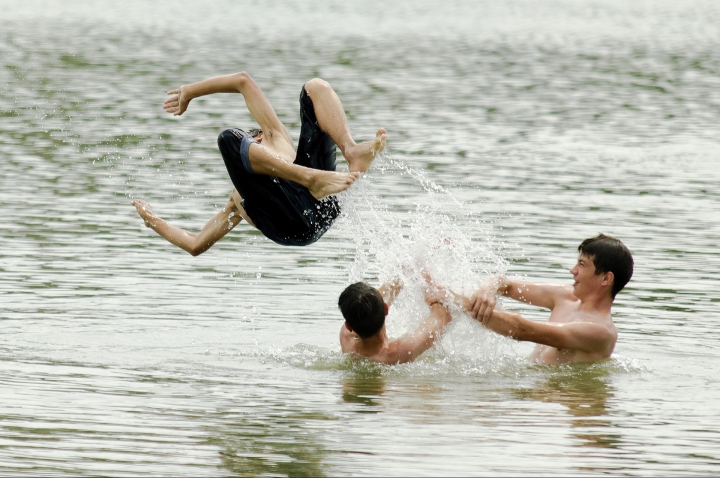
516,130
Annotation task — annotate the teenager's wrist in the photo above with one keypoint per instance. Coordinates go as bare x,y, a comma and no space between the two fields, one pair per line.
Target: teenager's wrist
497,283
189,92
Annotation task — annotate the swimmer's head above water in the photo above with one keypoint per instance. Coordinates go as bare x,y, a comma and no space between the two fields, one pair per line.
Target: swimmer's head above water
363,334
363,308
609,254
257,134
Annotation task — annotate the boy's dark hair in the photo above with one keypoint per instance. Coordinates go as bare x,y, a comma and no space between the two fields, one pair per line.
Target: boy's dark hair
255,132
609,255
363,308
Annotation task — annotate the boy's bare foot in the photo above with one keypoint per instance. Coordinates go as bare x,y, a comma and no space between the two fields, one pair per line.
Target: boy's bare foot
144,210
325,183
361,156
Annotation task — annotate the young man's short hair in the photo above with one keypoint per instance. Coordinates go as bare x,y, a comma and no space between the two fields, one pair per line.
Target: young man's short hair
363,308
609,255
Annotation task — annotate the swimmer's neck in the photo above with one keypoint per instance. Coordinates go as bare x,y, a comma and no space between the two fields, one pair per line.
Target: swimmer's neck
595,304
372,345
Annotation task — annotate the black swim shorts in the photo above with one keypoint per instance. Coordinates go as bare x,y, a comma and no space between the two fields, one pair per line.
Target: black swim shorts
283,210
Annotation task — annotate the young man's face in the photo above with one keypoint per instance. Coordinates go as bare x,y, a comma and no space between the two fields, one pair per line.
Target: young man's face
585,279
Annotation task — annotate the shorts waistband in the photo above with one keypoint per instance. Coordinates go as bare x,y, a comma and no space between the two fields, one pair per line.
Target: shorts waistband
245,141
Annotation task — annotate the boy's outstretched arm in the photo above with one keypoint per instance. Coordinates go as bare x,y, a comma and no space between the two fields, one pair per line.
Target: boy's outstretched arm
482,302
258,105
195,244
585,336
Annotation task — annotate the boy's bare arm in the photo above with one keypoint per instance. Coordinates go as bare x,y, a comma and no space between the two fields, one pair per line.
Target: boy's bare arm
195,244
484,298
258,105
409,347
584,336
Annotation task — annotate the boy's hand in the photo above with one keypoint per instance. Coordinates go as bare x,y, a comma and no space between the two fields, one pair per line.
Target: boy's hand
482,303
178,104
437,294
145,212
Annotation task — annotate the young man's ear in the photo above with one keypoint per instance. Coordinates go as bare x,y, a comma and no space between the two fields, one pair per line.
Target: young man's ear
387,308
608,279
347,326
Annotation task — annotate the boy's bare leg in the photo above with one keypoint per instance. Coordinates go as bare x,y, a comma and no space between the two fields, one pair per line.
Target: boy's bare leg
332,120
319,183
195,244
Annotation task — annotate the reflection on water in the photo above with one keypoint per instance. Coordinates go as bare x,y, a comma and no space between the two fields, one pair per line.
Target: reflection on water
583,390
364,390
284,444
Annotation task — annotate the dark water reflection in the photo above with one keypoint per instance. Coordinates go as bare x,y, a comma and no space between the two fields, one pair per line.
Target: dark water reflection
367,391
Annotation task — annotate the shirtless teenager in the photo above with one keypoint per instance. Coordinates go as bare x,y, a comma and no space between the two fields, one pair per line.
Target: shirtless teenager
286,194
363,333
580,328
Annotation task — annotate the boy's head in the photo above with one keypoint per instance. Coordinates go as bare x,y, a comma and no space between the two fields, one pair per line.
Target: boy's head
609,255
363,308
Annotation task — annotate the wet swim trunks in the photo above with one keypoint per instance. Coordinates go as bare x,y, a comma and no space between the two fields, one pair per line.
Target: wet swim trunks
283,210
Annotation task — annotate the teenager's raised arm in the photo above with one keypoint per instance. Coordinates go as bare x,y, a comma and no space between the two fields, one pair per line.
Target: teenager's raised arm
243,83
412,345
391,290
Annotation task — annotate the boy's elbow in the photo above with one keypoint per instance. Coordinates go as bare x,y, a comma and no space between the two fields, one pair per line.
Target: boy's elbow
196,250
242,79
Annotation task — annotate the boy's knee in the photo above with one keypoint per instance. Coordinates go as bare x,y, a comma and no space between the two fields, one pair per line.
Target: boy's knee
316,84
225,139
228,143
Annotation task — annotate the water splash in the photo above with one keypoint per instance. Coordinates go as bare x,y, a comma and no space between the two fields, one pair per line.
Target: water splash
431,236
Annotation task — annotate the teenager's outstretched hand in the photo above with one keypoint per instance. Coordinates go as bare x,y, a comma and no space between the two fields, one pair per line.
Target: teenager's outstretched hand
145,212
483,303
176,105
435,293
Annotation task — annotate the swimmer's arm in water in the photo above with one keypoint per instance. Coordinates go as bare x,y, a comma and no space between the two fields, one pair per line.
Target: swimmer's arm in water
408,347
195,244
584,336
256,102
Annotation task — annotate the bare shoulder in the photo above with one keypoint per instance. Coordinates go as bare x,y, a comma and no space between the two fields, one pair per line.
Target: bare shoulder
563,294
396,352
347,339
387,356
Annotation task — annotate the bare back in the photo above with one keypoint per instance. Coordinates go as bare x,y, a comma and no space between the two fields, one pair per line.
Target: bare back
385,353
